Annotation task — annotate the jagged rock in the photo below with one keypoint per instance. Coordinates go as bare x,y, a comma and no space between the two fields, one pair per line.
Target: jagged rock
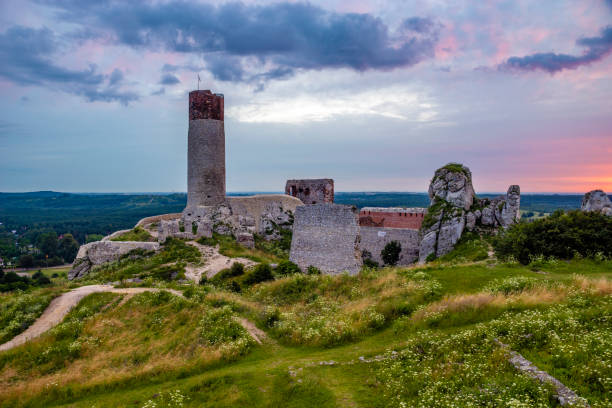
597,200
451,194
510,213
470,221
99,252
454,207
246,240
488,216
453,184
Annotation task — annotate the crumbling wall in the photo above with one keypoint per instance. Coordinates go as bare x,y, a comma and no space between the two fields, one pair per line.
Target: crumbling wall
373,240
265,210
326,236
313,191
205,150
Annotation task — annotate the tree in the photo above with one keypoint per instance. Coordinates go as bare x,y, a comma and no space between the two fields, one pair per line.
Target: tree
47,243
68,248
391,253
93,238
26,261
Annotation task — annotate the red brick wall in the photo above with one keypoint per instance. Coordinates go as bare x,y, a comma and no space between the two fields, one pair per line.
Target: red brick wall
205,105
391,219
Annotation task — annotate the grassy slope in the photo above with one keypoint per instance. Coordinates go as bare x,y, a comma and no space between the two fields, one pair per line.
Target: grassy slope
141,351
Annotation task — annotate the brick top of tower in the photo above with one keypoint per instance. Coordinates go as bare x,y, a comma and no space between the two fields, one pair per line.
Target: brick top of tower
205,105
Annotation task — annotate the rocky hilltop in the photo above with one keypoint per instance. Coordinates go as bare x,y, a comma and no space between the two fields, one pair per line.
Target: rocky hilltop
454,208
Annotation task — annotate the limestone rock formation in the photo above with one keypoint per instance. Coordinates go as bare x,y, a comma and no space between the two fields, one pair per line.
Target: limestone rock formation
99,252
453,184
455,207
597,200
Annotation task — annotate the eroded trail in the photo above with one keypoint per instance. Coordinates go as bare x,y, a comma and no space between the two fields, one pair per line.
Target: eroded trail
212,262
61,305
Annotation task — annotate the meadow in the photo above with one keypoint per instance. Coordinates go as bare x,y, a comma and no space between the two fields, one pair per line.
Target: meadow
422,336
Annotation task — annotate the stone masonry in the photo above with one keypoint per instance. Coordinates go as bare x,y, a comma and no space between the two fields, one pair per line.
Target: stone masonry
392,217
313,191
326,236
373,240
205,150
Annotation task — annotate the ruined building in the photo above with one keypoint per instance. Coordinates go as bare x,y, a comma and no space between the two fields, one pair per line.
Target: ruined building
336,238
206,150
392,217
313,191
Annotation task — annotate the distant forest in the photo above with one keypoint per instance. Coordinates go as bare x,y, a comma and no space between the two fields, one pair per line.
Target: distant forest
92,215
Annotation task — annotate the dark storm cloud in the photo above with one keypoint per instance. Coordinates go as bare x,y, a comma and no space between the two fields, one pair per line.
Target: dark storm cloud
169,79
596,49
27,56
287,35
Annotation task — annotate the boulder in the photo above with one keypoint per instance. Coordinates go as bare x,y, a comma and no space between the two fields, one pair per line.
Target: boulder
453,184
99,252
598,201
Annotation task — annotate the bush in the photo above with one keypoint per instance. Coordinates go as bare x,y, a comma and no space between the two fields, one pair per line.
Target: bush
369,263
287,268
313,270
563,235
391,252
40,278
261,273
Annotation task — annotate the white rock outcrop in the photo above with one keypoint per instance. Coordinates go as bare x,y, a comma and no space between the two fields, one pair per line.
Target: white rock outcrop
99,252
454,207
598,201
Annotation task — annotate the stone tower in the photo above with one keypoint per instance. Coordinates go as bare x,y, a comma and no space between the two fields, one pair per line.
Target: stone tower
205,150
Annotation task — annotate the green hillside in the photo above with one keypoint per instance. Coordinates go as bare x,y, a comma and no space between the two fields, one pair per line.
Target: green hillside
393,337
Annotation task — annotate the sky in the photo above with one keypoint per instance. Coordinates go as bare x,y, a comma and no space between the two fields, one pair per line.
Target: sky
374,94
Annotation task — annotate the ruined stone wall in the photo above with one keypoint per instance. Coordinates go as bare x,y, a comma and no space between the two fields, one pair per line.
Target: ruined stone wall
264,208
205,150
374,239
314,191
392,217
326,236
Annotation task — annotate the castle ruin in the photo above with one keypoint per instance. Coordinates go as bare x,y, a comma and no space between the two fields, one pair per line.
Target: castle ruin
311,191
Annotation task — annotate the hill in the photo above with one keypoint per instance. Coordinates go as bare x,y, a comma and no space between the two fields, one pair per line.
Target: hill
392,337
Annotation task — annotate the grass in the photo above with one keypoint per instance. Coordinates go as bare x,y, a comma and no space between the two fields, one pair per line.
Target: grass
136,234
166,265
440,319
230,248
19,309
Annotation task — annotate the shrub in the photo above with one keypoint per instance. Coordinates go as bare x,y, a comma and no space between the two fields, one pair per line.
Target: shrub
391,252
313,270
563,235
137,234
369,263
287,268
218,326
260,273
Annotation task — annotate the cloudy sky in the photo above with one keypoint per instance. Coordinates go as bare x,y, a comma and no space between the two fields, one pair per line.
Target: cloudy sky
375,94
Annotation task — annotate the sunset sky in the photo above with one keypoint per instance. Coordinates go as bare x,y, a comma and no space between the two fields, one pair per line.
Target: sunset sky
374,94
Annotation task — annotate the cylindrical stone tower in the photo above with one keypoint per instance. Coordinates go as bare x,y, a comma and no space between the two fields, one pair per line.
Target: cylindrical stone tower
205,150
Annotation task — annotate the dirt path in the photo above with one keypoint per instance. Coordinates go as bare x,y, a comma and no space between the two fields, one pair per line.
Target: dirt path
256,333
61,305
213,262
